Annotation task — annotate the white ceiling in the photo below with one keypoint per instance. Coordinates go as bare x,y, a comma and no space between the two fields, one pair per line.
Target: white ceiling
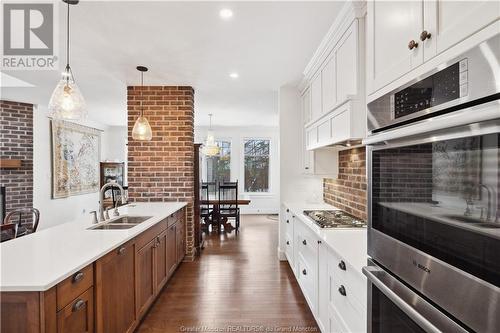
187,43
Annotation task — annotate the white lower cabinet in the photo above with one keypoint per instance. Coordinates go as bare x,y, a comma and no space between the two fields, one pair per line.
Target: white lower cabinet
307,275
324,282
335,322
287,221
342,294
335,292
306,249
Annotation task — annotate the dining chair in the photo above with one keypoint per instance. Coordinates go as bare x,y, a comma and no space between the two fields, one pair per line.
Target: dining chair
228,202
206,210
8,231
27,220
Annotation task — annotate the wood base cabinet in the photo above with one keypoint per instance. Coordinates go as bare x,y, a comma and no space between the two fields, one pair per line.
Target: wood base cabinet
115,299
171,249
161,261
179,240
78,316
145,273
110,295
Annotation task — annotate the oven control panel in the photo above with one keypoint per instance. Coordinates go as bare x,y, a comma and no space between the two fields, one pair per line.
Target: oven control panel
446,85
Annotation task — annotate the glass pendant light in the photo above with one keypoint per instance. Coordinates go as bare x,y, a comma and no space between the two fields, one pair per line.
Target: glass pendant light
210,148
67,101
142,130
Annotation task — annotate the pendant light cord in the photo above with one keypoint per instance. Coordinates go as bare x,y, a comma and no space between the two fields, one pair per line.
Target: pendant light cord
142,88
67,38
69,72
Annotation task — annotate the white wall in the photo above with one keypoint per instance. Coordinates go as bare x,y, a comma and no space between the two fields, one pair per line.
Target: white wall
294,185
261,203
57,211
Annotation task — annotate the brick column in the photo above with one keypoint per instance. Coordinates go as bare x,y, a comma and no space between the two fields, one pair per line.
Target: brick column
16,142
163,169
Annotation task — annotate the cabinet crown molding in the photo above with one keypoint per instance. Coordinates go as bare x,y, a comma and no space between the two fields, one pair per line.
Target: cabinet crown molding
351,11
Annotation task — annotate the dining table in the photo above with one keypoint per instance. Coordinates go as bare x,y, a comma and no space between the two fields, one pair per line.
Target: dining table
216,219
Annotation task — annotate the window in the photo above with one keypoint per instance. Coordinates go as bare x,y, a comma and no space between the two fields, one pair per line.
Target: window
256,165
219,166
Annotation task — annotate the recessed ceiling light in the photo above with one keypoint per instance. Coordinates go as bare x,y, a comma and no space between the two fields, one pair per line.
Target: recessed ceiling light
234,75
226,13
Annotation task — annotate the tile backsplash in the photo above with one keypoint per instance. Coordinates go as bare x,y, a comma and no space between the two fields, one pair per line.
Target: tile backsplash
348,191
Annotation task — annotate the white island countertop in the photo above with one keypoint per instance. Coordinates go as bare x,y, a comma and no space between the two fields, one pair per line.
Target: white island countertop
348,243
39,261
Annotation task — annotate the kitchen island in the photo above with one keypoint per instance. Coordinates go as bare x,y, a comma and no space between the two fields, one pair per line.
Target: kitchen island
74,278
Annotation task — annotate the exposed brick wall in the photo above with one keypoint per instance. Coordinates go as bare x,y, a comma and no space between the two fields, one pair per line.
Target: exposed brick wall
163,169
348,191
16,142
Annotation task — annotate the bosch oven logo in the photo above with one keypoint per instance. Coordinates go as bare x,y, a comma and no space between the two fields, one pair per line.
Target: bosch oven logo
422,267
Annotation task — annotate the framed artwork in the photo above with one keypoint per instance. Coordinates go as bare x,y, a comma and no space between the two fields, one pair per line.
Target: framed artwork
75,159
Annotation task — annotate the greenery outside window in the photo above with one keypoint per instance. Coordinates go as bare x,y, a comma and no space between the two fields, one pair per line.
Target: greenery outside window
219,166
256,156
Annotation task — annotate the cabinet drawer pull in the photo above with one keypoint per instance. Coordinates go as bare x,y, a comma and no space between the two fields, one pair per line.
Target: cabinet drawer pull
342,265
425,35
287,243
121,250
342,290
412,44
304,272
288,210
287,221
77,277
304,242
80,304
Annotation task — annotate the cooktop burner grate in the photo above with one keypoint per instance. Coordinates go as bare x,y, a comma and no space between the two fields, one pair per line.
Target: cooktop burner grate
334,219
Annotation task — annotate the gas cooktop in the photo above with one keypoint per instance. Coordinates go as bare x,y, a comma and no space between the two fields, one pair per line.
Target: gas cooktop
334,219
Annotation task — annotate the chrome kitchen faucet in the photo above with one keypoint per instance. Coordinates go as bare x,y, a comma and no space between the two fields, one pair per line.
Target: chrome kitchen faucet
101,199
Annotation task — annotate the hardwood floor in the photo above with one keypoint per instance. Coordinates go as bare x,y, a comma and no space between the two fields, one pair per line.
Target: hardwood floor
238,281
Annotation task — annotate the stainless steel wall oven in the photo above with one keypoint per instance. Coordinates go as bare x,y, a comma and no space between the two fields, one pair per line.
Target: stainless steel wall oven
434,200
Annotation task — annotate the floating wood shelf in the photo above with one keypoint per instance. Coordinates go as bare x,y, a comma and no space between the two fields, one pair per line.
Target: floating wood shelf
10,164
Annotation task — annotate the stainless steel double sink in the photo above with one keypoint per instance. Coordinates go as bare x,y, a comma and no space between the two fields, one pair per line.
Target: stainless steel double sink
123,222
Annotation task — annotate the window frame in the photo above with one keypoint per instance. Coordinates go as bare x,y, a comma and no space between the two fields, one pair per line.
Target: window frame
269,192
231,156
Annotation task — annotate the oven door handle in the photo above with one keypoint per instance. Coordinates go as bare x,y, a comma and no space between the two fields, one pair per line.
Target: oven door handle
418,309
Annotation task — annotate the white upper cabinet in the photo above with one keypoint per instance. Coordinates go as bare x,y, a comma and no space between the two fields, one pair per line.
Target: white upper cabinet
329,86
403,35
320,162
447,23
348,64
316,100
336,82
392,40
